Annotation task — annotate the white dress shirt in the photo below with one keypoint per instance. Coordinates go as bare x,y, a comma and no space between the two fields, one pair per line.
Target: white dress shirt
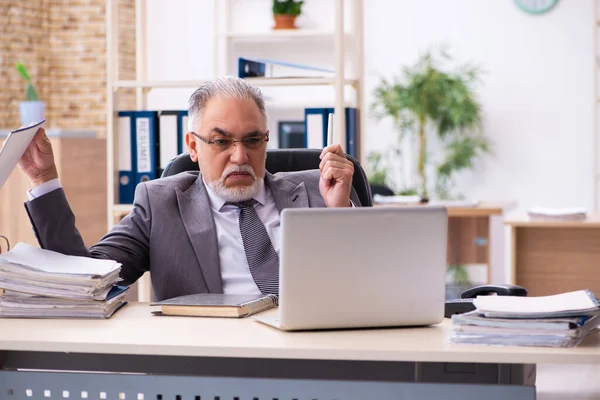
44,188
235,272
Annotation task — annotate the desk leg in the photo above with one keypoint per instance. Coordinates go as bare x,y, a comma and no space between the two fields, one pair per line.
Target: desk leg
513,255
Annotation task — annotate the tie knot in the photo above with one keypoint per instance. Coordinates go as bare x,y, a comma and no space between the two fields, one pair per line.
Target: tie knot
243,204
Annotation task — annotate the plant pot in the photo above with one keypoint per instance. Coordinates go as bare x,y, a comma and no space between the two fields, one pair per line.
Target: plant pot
284,21
31,111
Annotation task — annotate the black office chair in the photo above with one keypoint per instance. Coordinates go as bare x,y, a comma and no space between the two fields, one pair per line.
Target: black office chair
286,160
382,190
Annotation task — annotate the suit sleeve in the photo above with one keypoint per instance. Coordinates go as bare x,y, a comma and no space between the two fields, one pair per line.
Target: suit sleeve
354,198
53,223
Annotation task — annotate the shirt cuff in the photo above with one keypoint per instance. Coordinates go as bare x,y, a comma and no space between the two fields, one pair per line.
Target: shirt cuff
43,189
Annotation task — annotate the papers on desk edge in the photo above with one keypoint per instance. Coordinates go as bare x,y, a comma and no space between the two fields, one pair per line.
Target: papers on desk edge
41,272
42,260
577,303
19,305
562,320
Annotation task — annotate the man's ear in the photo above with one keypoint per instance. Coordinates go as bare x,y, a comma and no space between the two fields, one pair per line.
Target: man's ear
192,146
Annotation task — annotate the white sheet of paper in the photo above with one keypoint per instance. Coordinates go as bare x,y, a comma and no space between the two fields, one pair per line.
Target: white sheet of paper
577,300
13,148
53,262
557,211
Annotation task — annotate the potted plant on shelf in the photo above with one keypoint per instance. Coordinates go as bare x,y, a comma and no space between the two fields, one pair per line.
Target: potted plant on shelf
428,100
285,13
31,110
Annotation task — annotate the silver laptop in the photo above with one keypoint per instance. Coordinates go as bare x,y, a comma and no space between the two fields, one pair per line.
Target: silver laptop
361,267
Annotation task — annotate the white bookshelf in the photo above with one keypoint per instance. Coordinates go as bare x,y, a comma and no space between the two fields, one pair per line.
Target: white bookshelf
309,81
157,84
223,36
299,34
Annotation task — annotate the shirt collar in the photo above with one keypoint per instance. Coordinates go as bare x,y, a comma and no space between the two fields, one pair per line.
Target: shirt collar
218,203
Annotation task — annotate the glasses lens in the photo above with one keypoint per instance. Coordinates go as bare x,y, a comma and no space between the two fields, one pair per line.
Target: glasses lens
253,142
222,143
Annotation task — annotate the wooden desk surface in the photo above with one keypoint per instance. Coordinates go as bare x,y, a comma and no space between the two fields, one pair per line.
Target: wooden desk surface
481,210
522,220
133,330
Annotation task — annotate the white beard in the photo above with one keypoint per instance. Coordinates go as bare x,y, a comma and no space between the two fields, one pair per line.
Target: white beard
238,193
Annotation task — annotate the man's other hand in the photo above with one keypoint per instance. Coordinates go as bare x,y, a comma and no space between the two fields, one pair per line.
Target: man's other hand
38,160
336,177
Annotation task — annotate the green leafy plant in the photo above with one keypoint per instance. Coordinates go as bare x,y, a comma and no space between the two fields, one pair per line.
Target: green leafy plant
428,100
459,154
458,274
287,7
376,169
30,93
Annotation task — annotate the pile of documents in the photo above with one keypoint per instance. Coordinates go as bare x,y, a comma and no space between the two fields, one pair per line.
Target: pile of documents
562,320
405,200
557,214
39,283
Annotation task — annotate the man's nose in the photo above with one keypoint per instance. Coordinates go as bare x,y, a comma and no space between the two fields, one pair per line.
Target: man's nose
239,155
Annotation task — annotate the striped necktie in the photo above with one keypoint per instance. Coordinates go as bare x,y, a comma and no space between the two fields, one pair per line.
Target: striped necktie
260,253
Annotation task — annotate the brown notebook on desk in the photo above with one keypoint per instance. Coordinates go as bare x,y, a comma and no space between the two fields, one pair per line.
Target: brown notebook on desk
216,305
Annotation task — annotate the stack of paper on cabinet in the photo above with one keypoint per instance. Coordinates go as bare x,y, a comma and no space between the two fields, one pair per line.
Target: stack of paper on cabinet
557,214
562,320
39,283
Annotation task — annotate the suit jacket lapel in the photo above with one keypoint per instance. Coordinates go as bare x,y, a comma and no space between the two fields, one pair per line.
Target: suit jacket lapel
196,213
285,193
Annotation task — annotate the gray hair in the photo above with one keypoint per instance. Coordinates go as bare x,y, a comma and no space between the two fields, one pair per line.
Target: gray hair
225,87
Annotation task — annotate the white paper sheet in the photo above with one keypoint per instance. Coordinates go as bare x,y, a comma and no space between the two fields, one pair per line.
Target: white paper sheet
13,148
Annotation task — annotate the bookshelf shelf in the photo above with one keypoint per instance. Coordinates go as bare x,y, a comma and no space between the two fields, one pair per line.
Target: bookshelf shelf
297,34
291,105
300,81
157,84
308,81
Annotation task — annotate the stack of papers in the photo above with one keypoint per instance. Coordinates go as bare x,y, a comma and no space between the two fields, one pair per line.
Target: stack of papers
455,203
562,320
15,304
406,200
43,283
557,214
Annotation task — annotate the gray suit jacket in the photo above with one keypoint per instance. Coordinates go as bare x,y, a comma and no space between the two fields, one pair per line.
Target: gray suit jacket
170,232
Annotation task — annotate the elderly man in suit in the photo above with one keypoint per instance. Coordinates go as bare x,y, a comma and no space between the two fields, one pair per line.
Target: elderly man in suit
216,231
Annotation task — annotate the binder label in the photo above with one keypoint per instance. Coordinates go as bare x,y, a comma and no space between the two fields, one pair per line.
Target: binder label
143,144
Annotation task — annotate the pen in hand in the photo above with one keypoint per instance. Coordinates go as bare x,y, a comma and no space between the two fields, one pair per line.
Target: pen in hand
330,130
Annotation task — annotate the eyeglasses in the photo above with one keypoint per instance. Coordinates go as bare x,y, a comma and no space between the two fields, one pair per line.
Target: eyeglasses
223,143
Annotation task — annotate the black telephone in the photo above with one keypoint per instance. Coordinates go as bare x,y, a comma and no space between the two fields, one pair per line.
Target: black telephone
465,303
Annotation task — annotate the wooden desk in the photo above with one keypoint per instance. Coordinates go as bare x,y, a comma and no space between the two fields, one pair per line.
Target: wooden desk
469,233
242,358
549,257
